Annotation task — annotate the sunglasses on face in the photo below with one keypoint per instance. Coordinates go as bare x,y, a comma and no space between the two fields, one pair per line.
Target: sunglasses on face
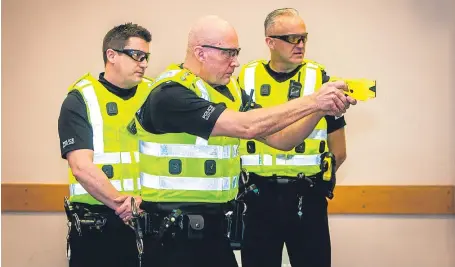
292,38
230,52
137,55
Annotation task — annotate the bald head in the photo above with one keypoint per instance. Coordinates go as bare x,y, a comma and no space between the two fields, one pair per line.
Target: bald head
212,51
210,30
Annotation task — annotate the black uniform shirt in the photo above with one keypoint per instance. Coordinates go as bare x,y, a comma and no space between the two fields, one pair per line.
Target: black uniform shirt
172,108
74,127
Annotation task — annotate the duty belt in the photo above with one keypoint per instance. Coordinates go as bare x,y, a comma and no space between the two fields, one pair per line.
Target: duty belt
159,225
82,219
326,179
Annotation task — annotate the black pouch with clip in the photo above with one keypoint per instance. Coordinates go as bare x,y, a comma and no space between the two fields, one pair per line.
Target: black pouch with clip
195,225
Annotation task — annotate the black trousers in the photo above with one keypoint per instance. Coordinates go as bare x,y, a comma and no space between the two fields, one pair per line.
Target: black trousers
114,246
272,221
179,251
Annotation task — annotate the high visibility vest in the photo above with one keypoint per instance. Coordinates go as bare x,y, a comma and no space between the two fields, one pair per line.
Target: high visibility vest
115,149
263,159
180,167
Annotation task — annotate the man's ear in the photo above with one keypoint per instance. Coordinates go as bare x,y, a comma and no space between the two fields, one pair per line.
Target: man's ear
110,55
199,53
270,42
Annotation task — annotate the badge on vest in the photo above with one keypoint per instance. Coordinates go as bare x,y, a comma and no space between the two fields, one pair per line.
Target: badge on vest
265,90
175,166
108,170
132,127
210,167
300,148
111,109
251,147
294,89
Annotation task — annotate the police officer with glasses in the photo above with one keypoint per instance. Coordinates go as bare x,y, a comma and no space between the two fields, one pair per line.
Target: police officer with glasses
190,129
293,185
102,155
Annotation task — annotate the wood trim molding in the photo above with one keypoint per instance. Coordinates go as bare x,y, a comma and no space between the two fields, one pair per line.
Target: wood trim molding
362,199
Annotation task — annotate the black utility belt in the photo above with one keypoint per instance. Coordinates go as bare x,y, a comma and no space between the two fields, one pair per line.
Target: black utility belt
159,226
303,182
84,220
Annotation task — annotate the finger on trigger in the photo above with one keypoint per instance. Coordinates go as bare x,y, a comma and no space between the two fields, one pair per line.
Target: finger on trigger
352,100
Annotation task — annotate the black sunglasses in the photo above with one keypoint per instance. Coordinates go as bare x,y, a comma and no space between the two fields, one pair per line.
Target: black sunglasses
292,38
231,52
137,55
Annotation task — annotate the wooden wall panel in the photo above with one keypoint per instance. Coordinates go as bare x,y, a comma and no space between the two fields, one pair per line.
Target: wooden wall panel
348,199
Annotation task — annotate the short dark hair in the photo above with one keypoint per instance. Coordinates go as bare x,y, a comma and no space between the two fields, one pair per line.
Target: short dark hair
271,17
118,36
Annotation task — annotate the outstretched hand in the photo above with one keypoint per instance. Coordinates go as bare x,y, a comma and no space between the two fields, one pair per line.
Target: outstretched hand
330,98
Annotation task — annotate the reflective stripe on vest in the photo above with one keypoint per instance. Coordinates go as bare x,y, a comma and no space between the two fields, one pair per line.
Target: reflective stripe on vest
185,150
128,185
188,183
250,79
281,159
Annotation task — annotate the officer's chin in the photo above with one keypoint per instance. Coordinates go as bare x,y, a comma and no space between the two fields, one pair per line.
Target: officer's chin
297,58
226,79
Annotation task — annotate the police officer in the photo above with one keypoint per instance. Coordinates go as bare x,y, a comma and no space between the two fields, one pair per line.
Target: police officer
189,130
291,208
102,155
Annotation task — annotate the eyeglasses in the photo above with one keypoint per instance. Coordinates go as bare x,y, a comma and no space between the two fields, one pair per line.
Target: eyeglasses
230,52
137,55
292,38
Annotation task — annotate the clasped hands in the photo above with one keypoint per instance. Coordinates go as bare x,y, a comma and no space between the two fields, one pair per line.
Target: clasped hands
124,209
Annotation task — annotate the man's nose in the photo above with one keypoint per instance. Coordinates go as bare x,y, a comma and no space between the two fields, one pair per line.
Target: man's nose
301,43
143,64
235,63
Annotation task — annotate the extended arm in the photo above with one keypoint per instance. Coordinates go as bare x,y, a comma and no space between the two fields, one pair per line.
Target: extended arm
292,135
173,108
262,124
